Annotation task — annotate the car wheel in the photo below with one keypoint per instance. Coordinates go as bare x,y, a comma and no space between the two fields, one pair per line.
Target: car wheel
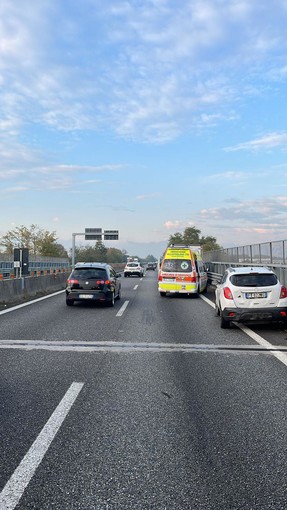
119,294
112,301
69,302
224,324
125,275
163,294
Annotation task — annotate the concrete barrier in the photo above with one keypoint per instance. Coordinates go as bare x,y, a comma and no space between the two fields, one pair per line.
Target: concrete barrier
16,290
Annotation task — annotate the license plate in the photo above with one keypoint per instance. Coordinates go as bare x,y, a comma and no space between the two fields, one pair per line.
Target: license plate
86,296
169,280
255,295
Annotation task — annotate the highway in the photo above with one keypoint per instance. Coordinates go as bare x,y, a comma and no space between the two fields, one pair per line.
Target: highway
146,405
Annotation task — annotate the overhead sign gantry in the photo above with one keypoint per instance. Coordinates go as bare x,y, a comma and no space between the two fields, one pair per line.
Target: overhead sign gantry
94,234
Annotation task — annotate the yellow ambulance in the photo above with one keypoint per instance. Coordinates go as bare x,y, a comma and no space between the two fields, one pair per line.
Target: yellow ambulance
182,271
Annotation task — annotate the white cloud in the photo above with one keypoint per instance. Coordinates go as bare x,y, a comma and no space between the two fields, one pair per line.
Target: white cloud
257,213
266,142
248,221
14,189
167,72
175,224
230,175
148,196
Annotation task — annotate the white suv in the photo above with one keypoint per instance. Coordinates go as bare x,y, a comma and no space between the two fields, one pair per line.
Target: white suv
250,294
133,269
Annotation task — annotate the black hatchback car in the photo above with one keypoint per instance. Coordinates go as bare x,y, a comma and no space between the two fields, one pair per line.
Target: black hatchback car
93,281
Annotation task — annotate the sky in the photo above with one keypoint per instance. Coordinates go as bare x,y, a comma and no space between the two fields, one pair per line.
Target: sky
144,116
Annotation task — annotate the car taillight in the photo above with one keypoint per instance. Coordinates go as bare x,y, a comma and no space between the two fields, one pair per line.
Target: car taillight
227,293
160,278
100,282
107,282
283,293
72,282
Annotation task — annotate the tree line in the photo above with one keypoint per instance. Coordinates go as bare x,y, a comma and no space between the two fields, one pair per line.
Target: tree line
44,243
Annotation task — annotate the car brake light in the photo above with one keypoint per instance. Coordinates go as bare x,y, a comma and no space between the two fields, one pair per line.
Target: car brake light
72,282
100,282
107,282
227,293
283,293
283,314
160,278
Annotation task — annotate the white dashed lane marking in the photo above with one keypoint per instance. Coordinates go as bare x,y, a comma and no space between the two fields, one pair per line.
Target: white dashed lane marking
14,488
122,309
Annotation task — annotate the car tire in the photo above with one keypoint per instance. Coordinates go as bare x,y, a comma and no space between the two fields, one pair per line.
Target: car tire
111,303
125,275
119,294
224,324
69,302
163,294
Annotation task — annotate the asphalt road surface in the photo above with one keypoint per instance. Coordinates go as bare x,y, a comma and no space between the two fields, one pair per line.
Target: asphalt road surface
146,405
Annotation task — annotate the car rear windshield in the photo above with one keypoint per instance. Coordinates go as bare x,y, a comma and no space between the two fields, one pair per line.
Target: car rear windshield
253,280
133,264
176,266
90,273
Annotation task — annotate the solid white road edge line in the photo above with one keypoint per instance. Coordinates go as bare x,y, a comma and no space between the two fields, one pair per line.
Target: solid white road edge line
279,355
207,300
30,302
259,339
122,309
14,488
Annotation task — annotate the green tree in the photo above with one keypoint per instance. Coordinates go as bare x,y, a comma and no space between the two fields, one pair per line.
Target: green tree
85,254
101,252
37,240
176,238
52,249
192,236
209,243
115,256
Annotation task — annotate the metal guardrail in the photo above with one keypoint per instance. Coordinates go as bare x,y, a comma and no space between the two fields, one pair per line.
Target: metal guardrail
37,265
274,252
270,254
217,269
213,278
